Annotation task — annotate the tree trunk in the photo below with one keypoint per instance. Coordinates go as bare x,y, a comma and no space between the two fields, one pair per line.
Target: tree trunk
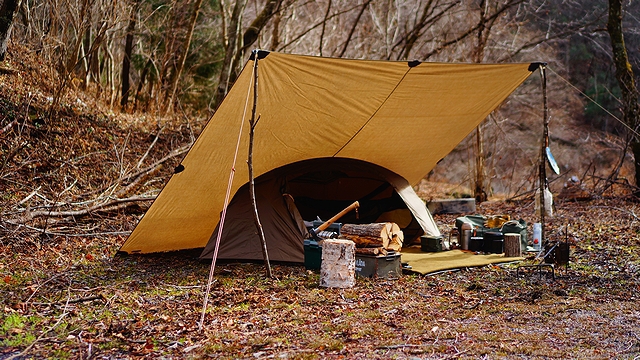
324,26
183,56
484,29
625,77
235,50
143,78
479,189
275,33
126,59
235,22
338,267
353,28
7,11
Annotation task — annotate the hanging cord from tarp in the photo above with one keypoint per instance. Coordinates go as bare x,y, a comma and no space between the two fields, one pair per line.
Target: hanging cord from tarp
596,103
224,208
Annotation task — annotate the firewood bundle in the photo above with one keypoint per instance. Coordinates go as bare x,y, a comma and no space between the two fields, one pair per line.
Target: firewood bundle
374,239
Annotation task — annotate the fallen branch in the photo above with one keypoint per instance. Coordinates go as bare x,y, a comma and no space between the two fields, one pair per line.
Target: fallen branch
136,183
33,193
53,233
149,168
74,301
109,205
9,126
7,71
153,143
629,212
400,346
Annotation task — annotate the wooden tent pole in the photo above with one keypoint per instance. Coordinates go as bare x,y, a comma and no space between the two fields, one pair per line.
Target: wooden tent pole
252,189
223,214
543,148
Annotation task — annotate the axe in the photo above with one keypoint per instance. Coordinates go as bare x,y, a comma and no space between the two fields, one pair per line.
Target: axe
314,232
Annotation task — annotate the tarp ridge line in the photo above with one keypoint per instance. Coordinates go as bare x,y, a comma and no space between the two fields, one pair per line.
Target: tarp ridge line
374,113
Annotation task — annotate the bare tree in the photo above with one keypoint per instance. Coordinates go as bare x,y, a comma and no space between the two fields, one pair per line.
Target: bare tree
126,59
238,44
7,13
183,56
231,48
626,81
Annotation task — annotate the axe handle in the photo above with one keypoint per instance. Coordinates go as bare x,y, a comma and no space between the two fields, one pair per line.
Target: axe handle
326,224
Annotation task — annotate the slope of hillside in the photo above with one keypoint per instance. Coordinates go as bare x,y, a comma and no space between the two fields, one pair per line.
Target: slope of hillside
78,160
513,137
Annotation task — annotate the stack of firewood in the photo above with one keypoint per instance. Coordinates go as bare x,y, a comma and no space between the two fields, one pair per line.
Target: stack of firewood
374,239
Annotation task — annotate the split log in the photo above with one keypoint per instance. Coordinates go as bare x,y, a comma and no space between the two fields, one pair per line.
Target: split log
371,251
512,245
386,235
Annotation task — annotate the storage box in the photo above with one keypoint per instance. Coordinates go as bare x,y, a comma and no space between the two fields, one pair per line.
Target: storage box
382,266
431,243
312,254
476,243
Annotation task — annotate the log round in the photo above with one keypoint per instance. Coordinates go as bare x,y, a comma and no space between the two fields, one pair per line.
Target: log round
386,235
338,266
512,245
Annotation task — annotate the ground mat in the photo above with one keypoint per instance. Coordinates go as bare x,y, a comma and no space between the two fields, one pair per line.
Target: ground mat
430,262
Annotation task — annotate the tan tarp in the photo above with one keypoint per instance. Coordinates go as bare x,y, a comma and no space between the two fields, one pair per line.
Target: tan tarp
404,118
426,263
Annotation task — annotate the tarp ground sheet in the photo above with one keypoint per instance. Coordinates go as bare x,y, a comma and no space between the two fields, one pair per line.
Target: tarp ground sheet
430,262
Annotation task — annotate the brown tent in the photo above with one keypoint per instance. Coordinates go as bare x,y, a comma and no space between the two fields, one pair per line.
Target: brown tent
311,189
400,116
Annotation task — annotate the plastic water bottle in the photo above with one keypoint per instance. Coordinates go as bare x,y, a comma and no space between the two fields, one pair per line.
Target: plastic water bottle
537,236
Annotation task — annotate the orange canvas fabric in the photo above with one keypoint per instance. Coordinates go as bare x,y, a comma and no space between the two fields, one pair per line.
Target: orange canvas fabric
401,117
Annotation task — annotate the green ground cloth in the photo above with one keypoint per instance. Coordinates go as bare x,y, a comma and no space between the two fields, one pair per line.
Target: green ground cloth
429,262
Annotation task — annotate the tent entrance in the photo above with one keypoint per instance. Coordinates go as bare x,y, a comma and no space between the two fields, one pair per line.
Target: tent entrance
324,194
311,189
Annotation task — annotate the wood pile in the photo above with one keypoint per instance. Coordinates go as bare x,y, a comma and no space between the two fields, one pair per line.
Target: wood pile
375,238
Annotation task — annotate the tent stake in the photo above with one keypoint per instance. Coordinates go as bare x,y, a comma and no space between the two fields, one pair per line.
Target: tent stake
252,189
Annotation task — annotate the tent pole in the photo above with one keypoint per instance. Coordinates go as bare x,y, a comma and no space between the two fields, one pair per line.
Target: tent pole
252,189
545,144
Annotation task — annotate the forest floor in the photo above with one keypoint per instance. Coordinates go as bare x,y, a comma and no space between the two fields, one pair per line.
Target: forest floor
69,297
75,178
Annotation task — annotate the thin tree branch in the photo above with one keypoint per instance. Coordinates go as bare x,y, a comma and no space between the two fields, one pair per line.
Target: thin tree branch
353,28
